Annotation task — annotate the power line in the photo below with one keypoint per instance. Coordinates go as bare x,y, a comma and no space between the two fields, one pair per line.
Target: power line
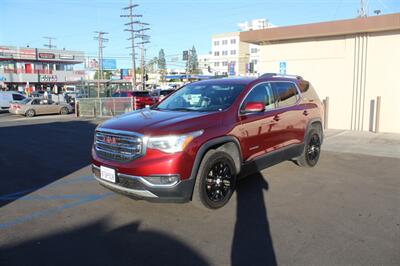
49,45
100,40
131,16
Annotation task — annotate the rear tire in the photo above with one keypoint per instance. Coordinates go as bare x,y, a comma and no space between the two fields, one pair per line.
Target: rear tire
215,180
30,113
64,111
312,148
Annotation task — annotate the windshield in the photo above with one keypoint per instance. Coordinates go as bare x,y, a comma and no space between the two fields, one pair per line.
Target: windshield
203,98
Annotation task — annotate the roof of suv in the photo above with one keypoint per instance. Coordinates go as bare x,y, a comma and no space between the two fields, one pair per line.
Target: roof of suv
247,80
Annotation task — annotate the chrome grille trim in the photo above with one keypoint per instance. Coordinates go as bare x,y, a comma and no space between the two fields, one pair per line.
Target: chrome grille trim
117,145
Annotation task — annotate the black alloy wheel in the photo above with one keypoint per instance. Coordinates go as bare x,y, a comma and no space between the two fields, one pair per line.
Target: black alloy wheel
313,149
215,180
219,181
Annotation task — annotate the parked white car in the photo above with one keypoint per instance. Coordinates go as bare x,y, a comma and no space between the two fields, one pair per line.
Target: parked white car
6,97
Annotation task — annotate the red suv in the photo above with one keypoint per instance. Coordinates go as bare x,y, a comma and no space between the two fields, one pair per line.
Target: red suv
143,98
197,142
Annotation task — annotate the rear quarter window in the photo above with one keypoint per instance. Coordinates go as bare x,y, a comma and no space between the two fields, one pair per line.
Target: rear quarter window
17,97
286,93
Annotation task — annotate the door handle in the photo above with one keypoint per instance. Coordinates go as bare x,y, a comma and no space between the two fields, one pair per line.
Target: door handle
277,118
305,112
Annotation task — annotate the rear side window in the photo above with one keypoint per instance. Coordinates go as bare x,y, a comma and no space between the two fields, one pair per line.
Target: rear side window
35,102
286,93
17,97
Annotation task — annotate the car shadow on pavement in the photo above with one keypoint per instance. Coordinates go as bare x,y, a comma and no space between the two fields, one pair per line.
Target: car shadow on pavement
35,155
95,244
252,242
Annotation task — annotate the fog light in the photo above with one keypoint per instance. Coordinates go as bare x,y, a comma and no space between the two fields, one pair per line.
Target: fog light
163,180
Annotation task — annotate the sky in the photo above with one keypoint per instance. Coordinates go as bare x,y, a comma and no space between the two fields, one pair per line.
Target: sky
176,25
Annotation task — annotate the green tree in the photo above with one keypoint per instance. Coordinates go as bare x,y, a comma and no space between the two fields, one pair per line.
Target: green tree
192,65
162,64
151,66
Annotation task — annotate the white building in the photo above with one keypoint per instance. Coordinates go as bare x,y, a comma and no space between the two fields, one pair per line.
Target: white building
230,56
350,61
204,63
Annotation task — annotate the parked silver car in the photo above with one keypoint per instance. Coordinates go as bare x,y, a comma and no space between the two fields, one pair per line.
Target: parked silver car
31,107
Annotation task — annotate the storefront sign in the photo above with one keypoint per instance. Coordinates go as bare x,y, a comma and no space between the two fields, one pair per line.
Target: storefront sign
17,53
47,56
67,57
48,78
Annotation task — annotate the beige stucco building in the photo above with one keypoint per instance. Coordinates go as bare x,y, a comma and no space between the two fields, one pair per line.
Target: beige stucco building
350,61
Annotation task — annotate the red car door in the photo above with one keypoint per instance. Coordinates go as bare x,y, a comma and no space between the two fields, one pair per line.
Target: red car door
289,113
258,130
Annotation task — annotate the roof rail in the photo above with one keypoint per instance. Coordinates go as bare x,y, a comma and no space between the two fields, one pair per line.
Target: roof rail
276,75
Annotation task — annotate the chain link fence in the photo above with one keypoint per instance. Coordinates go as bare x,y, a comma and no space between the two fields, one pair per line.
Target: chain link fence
104,107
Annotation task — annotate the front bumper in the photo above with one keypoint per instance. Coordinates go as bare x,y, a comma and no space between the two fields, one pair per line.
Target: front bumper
137,187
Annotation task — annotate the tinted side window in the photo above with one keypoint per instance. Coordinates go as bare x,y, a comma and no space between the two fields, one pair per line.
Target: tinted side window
262,93
258,94
17,97
286,93
35,102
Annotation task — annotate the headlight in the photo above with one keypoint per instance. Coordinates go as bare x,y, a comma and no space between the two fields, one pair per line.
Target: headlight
172,144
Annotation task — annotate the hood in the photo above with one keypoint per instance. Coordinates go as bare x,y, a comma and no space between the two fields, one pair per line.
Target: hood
154,122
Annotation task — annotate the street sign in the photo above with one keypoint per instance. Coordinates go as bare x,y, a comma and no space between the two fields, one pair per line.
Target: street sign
109,64
231,69
282,68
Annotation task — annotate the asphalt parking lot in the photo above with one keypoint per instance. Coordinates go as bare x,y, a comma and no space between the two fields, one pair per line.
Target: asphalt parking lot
345,211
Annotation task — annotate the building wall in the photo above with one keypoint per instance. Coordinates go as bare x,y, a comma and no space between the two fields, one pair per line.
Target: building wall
352,70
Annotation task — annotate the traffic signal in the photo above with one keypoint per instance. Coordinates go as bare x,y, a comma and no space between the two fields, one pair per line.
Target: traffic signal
185,56
251,67
209,69
146,77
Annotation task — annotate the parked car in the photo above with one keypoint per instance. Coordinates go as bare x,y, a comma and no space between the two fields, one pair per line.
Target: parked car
6,97
143,98
197,142
160,94
34,106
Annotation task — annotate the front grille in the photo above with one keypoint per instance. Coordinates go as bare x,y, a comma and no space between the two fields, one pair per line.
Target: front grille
118,146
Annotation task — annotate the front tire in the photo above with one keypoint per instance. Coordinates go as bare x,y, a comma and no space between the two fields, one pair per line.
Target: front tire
312,148
30,113
215,180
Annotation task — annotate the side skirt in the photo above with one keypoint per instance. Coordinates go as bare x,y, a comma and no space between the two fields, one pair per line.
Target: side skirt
270,159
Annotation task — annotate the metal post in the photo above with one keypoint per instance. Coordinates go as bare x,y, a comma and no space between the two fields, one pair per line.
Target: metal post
378,114
100,107
76,108
326,112
371,115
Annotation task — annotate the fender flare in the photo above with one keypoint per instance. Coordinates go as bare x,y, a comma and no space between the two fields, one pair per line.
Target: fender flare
211,143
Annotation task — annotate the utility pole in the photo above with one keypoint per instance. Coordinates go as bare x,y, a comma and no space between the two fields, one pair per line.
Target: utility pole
145,39
362,12
49,45
100,40
130,29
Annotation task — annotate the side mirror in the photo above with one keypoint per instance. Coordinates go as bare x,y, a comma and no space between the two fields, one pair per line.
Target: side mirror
254,107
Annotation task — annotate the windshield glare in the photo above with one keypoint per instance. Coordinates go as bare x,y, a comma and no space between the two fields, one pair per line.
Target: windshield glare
201,98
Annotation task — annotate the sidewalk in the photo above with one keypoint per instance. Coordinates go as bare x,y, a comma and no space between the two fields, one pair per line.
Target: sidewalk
362,142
